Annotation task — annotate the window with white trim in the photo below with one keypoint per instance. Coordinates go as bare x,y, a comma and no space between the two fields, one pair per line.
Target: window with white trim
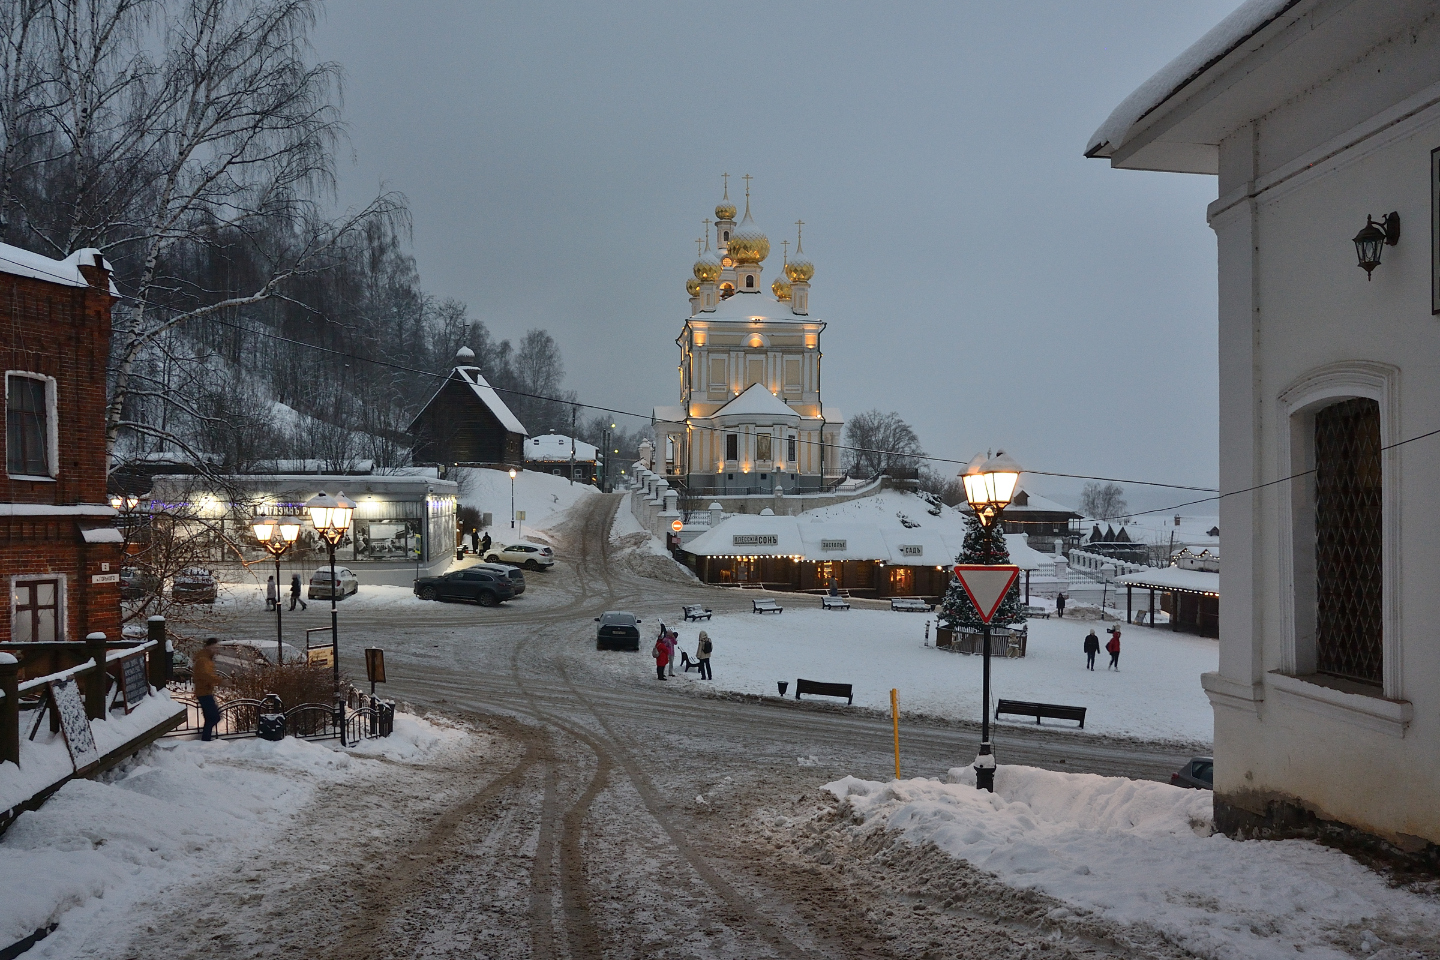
37,609
30,427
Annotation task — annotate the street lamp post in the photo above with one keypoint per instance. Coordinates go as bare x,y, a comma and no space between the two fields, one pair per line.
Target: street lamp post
276,535
512,498
989,485
331,518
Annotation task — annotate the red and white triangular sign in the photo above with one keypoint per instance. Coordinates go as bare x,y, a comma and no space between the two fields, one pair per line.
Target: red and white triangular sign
986,585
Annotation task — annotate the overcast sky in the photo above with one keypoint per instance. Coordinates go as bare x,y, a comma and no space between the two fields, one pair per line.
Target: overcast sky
978,275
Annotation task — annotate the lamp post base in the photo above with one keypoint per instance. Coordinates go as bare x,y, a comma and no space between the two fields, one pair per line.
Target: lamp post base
985,769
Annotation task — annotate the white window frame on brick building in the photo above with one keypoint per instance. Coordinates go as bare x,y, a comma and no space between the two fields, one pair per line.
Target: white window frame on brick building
50,428
27,583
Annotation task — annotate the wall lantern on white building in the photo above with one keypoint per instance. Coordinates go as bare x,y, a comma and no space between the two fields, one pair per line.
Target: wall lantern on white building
1370,240
990,484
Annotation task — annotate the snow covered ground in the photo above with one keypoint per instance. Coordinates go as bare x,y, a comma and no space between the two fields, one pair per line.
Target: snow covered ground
1156,695
1144,853
541,496
176,811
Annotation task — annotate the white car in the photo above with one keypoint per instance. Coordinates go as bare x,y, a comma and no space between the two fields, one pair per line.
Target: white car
321,588
531,556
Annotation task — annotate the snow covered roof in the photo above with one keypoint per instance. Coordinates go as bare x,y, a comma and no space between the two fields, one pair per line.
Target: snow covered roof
669,414
556,447
1034,503
755,401
753,306
19,262
1174,578
475,380
1224,37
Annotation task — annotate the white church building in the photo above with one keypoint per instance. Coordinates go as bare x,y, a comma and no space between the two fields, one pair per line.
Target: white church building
1321,121
750,420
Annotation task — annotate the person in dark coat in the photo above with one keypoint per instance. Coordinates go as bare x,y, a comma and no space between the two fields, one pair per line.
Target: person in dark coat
272,593
295,593
1092,647
702,655
1113,647
485,542
1060,605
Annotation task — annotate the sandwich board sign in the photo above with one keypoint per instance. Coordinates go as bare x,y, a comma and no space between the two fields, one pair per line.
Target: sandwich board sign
986,585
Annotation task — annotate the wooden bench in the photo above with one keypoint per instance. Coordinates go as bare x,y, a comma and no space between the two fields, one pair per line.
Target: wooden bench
818,689
910,605
765,606
1036,613
695,611
1054,711
828,602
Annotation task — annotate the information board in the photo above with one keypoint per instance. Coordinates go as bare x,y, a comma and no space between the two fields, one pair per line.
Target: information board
320,656
65,700
133,683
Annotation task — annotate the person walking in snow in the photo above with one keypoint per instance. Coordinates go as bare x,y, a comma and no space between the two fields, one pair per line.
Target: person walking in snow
1113,647
671,642
1092,647
485,542
702,655
661,653
1060,606
295,593
272,593
204,678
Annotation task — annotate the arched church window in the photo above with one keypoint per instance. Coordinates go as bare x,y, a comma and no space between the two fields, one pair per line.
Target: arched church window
727,236
750,280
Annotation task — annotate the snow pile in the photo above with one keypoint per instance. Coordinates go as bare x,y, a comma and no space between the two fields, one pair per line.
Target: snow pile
1156,694
1136,852
97,847
542,497
1244,21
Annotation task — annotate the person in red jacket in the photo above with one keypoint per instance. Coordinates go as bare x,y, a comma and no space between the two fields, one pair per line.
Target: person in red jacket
661,653
1113,647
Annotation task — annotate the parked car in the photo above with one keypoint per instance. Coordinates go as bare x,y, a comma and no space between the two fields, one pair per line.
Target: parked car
248,653
617,631
193,585
531,556
1198,774
137,583
482,584
321,588
517,579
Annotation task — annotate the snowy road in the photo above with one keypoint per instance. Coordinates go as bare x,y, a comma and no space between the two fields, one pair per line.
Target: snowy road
602,815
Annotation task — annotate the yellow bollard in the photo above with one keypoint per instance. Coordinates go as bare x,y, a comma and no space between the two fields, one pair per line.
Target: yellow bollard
895,722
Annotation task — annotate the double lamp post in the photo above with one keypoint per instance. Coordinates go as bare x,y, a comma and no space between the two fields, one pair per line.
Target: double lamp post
331,518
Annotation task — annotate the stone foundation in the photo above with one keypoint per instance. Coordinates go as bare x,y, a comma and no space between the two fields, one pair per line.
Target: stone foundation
1285,819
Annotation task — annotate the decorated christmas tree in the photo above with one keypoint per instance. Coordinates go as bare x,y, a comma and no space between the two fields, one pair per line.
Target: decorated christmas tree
982,545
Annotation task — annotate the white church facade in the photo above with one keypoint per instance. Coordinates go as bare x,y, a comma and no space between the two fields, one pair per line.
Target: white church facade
1321,121
750,420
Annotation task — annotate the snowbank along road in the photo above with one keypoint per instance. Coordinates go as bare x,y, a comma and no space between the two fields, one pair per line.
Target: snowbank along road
599,815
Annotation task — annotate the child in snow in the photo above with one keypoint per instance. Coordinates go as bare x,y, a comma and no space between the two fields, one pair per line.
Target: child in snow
1113,647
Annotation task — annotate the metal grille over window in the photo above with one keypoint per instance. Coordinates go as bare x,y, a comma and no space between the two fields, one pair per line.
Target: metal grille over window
1348,565
25,427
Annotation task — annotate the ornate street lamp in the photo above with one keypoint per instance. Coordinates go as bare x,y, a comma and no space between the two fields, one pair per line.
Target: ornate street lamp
989,486
276,535
1373,238
512,498
331,518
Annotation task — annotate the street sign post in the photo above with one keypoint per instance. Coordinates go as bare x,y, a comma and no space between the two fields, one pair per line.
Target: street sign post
986,585
676,525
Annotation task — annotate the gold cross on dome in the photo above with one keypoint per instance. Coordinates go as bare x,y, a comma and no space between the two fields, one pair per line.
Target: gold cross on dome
698,241
799,233
786,257
725,178
747,178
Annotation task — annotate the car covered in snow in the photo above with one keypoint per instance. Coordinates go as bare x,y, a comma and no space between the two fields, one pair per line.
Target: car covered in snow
345,584
618,630
1198,774
485,584
193,585
137,583
531,556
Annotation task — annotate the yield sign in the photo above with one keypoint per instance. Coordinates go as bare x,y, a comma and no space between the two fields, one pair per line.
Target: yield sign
986,585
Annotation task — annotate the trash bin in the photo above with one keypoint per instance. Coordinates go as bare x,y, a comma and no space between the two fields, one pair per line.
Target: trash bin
272,726
783,685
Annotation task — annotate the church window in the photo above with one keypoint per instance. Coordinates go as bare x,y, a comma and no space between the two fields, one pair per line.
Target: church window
732,446
1348,543
749,280
790,450
727,236
762,446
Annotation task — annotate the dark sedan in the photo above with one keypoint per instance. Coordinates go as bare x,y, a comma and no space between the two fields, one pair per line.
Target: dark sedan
485,587
617,631
193,585
1198,774
517,577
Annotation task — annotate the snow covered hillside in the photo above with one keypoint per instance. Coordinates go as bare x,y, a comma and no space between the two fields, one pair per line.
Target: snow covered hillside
541,496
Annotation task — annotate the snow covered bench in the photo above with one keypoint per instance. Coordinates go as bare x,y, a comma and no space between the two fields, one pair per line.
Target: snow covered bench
1055,711
1035,613
828,602
766,606
817,689
695,611
910,605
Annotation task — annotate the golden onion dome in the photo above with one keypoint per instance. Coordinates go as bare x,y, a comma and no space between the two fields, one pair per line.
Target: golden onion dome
748,243
725,210
707,268
781,288
692,287
800,268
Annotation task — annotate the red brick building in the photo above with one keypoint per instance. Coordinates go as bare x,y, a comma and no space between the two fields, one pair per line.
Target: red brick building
60,553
